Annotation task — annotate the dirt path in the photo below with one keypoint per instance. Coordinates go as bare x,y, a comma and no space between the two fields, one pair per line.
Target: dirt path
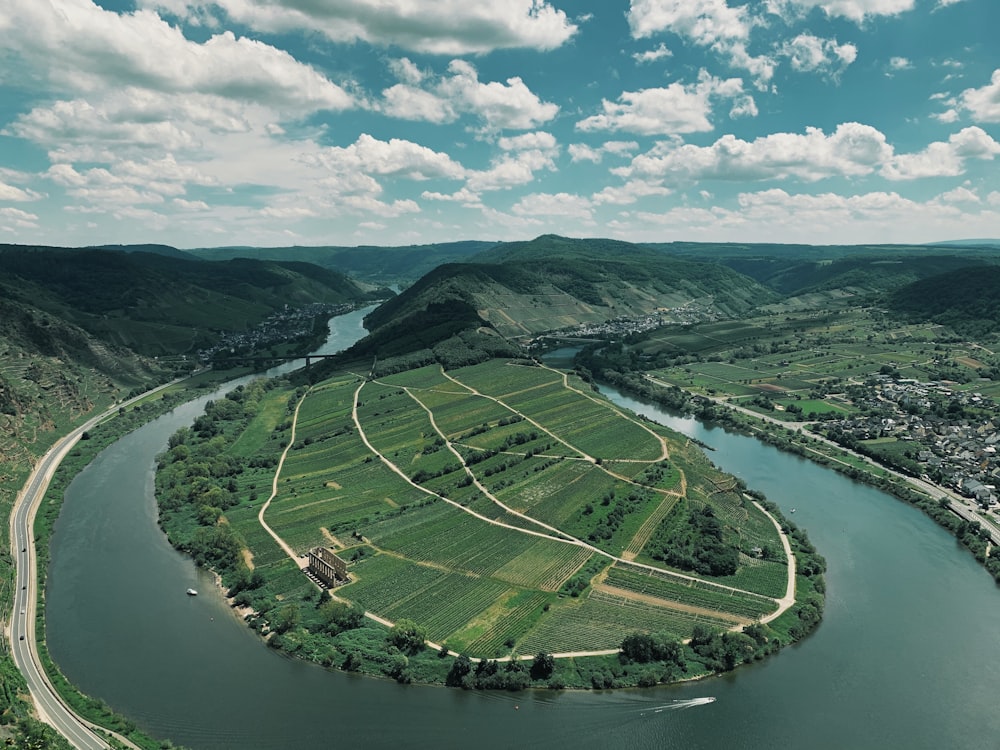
300,562
785,602
554,534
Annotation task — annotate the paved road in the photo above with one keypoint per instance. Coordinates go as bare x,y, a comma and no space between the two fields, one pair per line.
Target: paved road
49,705
959,505
22,633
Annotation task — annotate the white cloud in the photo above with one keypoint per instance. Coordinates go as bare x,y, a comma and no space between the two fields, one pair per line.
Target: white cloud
628,193
186,205
510,105
447,27
852,150
395,157
993,198
85,48
708,23
948,116
900,63
703,21
854,10
558,204
583,152
16,194
288,212
960,194
984,103
510,170
761,67
665,111
411,103
540,140
652,55
18,218
464,196
943,159
810,53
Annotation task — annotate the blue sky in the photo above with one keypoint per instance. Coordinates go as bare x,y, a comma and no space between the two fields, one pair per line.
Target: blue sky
345,122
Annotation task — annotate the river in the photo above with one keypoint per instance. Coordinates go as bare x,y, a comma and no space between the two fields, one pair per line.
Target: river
903,657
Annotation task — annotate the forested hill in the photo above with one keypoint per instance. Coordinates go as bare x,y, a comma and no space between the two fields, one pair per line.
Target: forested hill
379,265
156,304
520,289
873,275
967,300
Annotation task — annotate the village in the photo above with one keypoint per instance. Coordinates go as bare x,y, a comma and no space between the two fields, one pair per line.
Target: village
286,325
950,436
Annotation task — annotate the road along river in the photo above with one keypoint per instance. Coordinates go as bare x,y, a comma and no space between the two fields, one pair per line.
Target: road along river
902,659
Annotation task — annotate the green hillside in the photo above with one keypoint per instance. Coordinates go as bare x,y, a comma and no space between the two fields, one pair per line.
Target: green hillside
522,289
967,300
155,304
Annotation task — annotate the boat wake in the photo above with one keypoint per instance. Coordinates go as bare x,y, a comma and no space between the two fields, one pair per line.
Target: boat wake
680,705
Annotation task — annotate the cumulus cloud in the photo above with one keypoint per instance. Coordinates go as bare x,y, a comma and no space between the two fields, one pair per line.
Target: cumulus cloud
464,196
703,21
448,27
851,150
583,152
678,108
512,168
811,53
628,193
16,194
943,159
83,47
984,103
395,157
707,23
960,194
853,10
16,218
652,55
900,63
558,204
509,105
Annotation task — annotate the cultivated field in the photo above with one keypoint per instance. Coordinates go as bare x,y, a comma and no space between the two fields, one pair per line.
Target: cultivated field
501,506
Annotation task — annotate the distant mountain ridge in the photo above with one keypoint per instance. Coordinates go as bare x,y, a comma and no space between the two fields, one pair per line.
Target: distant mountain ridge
381,265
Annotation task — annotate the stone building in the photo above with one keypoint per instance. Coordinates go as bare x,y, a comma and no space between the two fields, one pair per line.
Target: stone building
327,567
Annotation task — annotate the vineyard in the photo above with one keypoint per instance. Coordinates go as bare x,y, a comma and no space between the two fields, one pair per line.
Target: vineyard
494,507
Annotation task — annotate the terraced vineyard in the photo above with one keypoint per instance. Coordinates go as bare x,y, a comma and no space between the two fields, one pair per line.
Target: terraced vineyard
503,507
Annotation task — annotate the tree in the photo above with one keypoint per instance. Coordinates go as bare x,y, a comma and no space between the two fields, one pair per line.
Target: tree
408,636
459,670
543,666
287,618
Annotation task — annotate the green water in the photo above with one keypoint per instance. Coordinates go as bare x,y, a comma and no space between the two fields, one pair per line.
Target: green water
903,658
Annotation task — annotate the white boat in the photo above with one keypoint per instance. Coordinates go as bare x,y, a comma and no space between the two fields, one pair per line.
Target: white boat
192,592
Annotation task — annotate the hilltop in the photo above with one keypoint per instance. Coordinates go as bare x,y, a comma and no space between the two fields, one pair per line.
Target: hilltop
522,289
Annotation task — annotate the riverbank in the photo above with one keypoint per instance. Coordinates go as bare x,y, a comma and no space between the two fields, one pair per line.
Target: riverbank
869,660
972,536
